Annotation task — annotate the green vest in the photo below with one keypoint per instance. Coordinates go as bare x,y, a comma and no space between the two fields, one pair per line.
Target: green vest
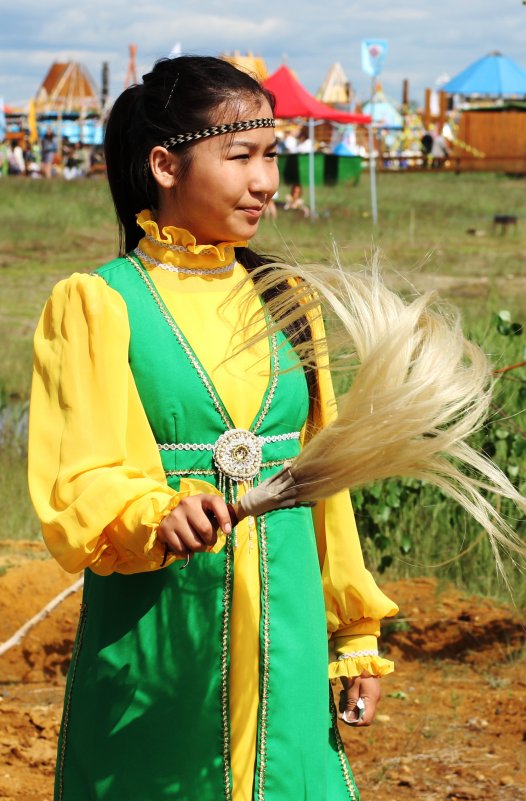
146,714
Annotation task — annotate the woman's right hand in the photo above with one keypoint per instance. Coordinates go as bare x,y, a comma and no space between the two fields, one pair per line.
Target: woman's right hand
192,525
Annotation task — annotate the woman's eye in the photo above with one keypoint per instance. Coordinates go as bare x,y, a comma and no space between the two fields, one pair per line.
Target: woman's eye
272,155
240,157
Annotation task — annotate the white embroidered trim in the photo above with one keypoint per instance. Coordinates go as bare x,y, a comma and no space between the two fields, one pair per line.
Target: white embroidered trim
176,248
356,654
209,446
167,245
174,268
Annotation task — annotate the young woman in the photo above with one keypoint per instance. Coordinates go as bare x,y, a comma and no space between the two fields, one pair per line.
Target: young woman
148,414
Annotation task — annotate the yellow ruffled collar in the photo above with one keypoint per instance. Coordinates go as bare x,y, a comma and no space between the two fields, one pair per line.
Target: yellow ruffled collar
178,247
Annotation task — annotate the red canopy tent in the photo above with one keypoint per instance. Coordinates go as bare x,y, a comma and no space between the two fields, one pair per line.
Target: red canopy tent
293,100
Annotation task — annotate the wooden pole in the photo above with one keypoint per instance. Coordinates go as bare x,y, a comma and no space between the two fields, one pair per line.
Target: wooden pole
442,97
427,110
131,74
405,96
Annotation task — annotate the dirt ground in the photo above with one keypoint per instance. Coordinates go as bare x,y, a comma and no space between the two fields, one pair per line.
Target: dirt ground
451,725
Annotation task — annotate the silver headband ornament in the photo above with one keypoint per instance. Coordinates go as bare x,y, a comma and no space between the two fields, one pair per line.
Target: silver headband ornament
216,130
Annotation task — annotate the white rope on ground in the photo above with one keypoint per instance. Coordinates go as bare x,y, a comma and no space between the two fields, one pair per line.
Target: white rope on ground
19,635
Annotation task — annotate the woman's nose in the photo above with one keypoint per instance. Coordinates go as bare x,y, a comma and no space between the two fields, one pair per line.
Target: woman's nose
265,178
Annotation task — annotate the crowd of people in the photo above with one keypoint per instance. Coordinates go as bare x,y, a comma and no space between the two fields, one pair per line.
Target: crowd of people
53,156
49,157
430,149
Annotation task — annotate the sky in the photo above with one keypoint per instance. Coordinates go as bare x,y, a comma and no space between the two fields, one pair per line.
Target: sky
426,40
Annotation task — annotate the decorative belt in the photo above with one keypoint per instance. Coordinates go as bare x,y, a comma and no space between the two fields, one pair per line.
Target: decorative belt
237,452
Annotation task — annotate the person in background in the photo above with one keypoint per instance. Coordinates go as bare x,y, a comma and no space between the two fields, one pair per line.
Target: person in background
439,150
426,143
290,142
15,158
48,147
294,200
304,142
84,158
32,159
271,210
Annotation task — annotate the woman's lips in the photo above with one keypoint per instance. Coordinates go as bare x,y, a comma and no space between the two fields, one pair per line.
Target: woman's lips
253,211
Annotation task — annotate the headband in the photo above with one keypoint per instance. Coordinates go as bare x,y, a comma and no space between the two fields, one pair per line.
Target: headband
215,130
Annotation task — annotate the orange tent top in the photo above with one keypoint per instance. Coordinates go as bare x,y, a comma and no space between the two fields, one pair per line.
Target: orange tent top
67,87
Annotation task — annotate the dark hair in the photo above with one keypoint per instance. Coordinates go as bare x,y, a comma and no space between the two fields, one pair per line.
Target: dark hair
179,95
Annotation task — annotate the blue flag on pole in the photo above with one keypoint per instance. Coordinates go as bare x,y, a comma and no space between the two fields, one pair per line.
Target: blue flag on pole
374,52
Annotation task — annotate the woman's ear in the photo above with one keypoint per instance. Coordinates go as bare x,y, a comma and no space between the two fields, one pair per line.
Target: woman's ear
164,166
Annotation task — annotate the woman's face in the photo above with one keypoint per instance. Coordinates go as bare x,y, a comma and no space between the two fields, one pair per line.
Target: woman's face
231,178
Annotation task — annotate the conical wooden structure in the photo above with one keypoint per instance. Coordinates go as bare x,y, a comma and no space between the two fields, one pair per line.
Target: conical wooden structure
67,87
335,89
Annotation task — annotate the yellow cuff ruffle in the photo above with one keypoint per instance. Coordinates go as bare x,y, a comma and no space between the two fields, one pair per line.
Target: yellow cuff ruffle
355,665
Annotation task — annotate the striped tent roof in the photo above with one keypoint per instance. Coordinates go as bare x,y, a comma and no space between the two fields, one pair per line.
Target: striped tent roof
335,87
67,87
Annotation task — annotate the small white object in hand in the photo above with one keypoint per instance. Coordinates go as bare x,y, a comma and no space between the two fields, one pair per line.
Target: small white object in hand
351,717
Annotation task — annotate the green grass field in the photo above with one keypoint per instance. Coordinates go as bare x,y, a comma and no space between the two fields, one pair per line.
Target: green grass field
51,229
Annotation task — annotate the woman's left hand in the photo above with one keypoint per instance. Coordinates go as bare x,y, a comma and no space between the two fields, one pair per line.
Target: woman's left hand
366,687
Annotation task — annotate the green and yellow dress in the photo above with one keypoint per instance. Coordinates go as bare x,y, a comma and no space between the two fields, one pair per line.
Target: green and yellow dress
208,683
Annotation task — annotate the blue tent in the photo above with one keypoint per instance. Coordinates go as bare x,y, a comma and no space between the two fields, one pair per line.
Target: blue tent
493,75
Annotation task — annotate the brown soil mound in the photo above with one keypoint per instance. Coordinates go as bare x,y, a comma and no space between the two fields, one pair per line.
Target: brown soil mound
446,624
44,654
450,725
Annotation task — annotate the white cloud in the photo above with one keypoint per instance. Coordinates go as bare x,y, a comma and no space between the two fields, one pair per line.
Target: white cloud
208,29
393,14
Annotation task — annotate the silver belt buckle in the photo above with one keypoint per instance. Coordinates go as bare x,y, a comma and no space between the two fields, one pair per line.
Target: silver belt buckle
238,454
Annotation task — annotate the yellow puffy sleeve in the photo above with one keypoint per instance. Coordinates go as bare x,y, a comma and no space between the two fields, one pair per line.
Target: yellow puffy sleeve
95,474
354,603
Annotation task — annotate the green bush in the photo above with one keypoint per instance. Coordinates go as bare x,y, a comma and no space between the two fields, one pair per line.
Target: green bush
409,527
52,228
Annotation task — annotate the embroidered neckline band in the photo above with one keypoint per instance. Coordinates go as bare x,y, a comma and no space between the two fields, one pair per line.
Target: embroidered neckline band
176,248
175,268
